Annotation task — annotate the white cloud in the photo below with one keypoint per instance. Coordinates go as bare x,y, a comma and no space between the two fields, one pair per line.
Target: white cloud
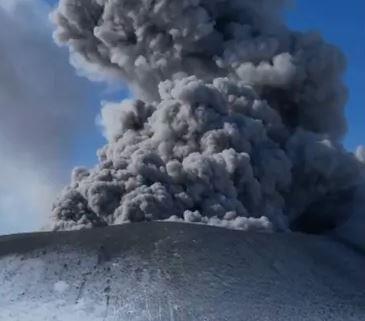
25,197
40,100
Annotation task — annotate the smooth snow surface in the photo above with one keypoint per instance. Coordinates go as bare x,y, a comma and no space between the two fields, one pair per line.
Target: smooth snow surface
180,272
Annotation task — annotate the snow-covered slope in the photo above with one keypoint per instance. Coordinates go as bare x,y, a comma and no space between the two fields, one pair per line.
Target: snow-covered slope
170,271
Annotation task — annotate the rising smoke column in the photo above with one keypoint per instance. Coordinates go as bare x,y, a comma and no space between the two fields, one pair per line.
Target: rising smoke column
237,119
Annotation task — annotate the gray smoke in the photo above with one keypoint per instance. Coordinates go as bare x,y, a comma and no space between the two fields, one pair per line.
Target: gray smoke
238,120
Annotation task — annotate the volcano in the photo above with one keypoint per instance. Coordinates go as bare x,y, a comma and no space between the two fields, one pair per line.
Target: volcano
177,271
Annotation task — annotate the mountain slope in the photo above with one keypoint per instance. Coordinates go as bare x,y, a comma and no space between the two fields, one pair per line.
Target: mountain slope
170,271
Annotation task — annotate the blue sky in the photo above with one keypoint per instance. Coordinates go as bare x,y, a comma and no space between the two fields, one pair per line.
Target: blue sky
41,162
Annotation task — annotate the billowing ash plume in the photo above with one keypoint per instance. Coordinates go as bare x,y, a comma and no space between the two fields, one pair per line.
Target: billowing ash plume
237,120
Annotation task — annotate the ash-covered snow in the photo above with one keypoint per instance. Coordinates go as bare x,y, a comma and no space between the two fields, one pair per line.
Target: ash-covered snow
184,272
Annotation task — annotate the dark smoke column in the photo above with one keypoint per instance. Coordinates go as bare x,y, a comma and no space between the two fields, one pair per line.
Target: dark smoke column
237,120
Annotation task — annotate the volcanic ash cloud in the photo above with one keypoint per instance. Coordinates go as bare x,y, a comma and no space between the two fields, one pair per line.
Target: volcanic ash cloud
237,120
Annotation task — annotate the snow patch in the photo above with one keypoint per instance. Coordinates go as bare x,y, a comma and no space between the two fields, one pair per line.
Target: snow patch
61,287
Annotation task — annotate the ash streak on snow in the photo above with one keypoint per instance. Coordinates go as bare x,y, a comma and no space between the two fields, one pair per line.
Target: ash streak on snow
238,120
